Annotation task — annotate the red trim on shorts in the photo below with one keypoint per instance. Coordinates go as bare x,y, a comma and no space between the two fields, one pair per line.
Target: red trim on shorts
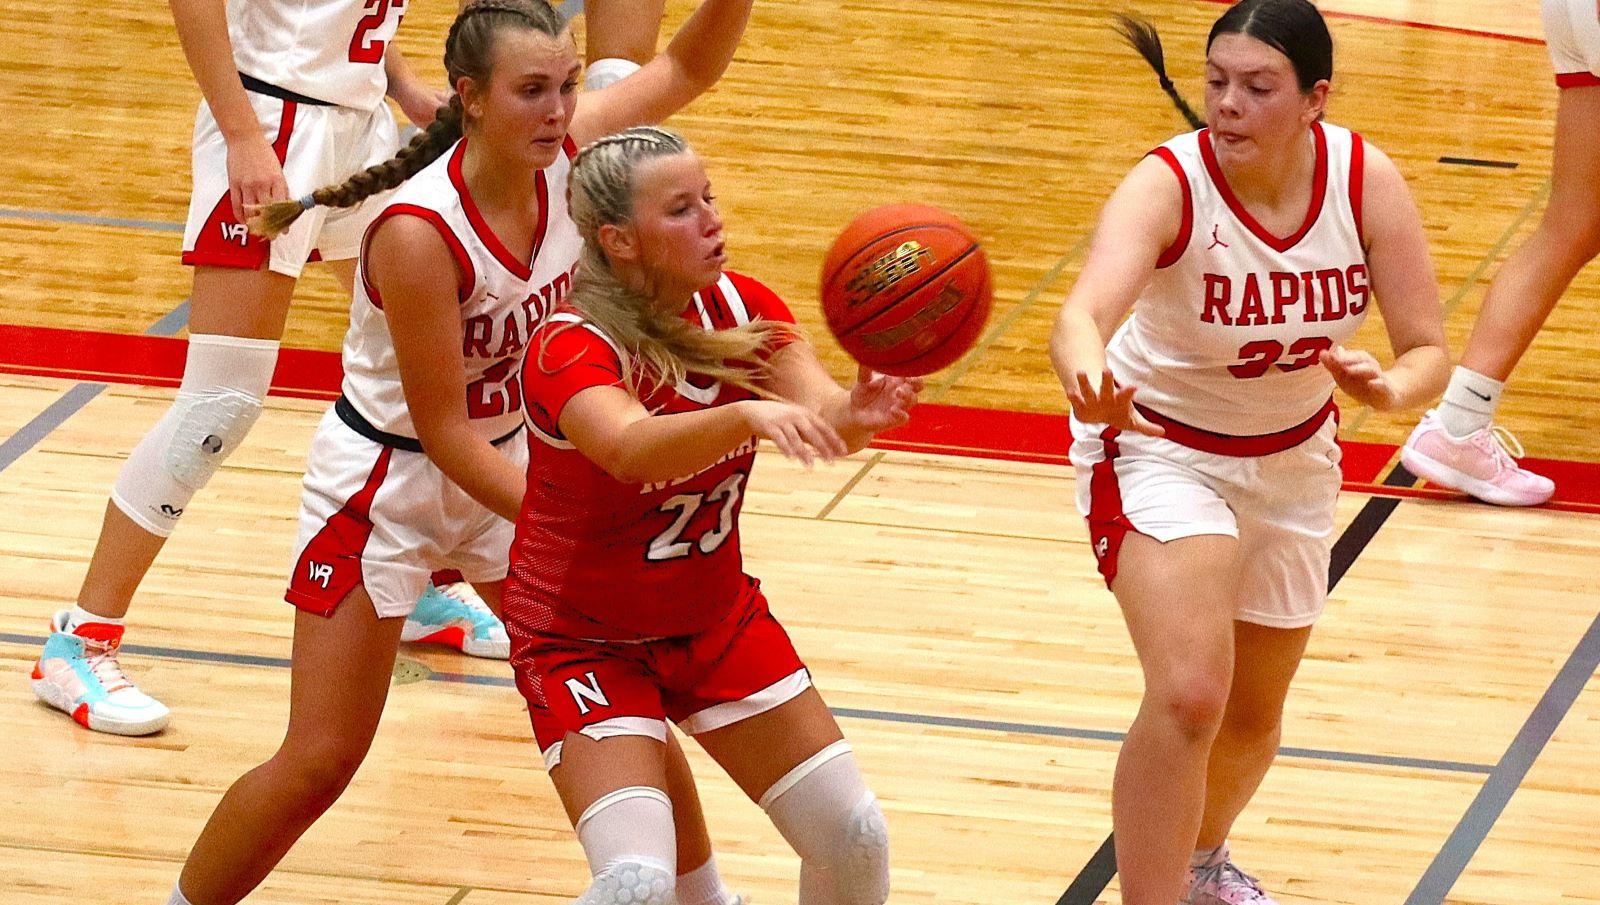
1577,80
1246,446
1108,524
468,275
329,568
1358,173
1319,186
212,246
520,270
1175,251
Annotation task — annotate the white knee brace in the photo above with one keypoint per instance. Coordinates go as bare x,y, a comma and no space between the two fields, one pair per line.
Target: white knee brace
225,379
825,811
632,848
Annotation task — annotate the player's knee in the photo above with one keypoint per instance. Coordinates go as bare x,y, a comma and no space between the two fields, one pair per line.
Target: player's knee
825,811
1251,723
1194,704
632,881
225,380
314,776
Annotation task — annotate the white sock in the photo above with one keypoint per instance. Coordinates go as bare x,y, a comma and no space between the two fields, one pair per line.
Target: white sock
1469,402
608,71
703,886
78,616
177,897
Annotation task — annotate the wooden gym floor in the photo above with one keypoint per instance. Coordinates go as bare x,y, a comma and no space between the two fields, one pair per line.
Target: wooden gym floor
1439,745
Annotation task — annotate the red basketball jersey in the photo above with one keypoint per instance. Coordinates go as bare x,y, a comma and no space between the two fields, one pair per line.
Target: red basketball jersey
597,558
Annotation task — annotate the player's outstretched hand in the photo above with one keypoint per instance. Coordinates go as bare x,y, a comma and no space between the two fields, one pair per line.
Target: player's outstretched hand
1110,404
255,177
421,103
1359,374
798,432
879,402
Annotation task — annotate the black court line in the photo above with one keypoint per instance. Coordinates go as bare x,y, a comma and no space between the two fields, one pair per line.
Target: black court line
1092,880
1507,776
1475,162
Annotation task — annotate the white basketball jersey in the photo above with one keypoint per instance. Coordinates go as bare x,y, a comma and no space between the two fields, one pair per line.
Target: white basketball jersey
331,50
502,298
1227,335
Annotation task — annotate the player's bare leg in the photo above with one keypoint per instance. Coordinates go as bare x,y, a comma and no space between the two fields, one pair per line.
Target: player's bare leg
619,37
1265,662
235,319
1178,601
338,684
1456,445
794,762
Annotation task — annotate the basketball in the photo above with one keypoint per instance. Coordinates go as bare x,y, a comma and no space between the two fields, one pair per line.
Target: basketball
905,289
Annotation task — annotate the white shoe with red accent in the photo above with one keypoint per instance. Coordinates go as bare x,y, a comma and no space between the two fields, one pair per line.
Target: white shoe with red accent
1219,882
1483,464
78,674
455,615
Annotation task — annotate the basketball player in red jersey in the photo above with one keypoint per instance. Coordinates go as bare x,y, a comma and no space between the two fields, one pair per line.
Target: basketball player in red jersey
1248,252
627,602
1457,445
420,462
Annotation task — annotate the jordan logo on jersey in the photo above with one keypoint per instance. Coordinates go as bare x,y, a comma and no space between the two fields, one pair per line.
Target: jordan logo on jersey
1216,240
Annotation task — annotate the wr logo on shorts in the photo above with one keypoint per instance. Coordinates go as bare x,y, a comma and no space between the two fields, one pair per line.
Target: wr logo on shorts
587,692
235,232
321,573
1101,547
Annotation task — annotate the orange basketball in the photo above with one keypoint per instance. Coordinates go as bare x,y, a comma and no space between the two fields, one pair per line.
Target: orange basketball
905,289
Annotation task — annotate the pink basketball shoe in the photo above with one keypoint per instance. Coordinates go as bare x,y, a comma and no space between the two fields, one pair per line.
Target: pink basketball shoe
1483,464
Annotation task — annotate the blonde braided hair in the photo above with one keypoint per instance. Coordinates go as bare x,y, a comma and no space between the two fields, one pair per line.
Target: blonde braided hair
468,52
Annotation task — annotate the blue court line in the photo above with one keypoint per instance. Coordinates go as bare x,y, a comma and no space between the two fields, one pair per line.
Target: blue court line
1507,775
13,213
884,716
73,400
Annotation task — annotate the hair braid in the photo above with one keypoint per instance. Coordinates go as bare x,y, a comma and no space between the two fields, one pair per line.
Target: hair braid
467,54
1142,36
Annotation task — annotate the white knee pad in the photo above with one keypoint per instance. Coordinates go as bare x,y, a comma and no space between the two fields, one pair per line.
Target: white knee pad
632,848
608,71
225,379
825,811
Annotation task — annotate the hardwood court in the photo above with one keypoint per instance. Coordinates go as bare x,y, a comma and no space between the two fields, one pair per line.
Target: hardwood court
946,603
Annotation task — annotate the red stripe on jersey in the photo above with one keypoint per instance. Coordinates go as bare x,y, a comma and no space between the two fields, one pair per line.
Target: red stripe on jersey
467,274
519,269
212,247
330,566
541,188
1245,446
1108,524
1577,80
1175,251
1319,187
569,146
1358,172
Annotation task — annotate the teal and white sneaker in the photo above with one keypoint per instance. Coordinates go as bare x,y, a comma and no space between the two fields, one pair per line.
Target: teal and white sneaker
454,614
78,674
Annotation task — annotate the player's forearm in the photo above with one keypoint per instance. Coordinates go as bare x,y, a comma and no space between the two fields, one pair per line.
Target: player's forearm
663,447
1419,375
1077,346
704,46
477,468
203,31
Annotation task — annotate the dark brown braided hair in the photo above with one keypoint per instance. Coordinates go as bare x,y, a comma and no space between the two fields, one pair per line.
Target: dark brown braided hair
468,51
1295,28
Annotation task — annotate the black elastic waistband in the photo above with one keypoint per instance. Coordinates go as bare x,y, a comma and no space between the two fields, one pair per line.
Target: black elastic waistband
251,83
356,422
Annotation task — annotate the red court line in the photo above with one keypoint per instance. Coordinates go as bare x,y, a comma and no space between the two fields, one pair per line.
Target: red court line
1427,26
1035,437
